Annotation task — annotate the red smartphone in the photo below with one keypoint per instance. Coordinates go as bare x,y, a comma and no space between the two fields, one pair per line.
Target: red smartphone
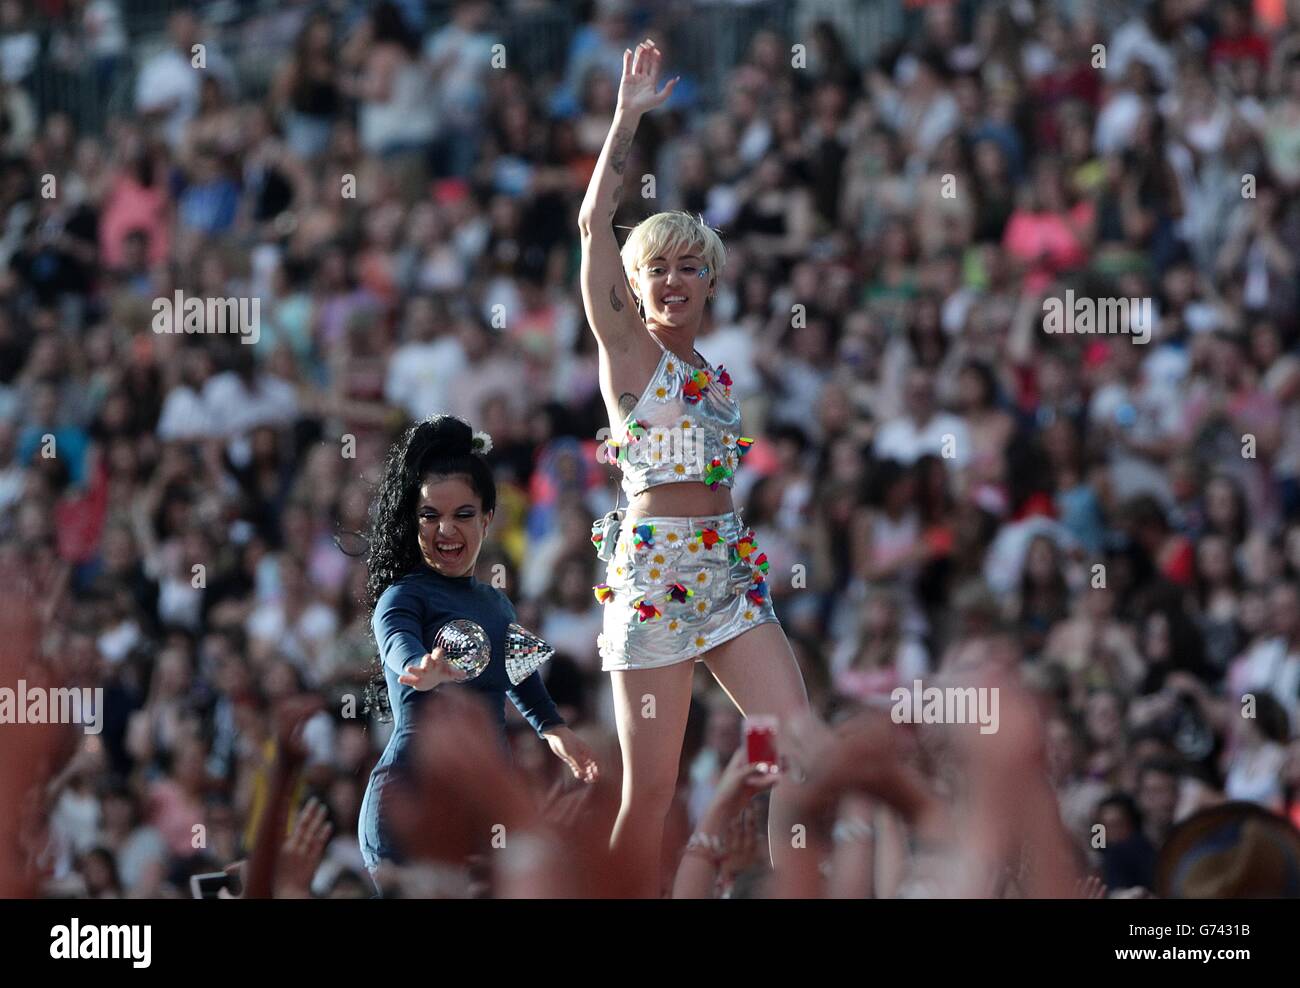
760,743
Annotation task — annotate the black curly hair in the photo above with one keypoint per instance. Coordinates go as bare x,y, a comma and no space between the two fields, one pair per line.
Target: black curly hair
442,446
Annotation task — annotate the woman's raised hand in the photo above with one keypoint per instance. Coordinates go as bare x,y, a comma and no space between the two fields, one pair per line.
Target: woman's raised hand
432,670
638,91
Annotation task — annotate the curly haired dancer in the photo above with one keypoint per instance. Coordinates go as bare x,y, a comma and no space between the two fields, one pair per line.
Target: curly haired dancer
685,580
435,504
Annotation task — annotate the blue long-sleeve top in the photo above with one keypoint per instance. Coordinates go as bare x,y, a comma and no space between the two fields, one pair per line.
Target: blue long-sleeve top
406,622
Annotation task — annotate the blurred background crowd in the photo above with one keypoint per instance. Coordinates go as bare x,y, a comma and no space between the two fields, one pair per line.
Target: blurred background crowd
1116,524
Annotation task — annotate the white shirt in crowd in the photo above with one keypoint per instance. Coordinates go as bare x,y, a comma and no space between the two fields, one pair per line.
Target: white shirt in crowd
903,440
420,376
170,82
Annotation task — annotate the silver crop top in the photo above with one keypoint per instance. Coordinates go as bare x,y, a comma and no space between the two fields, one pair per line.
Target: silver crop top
685,427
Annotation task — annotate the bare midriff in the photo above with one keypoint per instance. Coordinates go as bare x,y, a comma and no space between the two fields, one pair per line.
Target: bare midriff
683,500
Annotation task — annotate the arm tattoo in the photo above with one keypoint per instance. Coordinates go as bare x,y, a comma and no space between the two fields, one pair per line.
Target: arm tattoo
619,151
613,298
626,402
618,198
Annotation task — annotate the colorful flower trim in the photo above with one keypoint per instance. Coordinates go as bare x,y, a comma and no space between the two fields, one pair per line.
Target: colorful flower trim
709,537
743,548
646,611
695,387
725,380
679,593
717,473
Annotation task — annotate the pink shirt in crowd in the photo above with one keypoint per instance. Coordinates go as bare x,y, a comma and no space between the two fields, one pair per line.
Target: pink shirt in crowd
131,206
1047,243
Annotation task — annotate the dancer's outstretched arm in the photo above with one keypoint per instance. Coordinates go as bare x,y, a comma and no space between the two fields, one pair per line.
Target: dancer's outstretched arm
611,310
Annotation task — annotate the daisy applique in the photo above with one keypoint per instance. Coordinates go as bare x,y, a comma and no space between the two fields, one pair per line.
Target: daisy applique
665,388
657,562
699,579
657,439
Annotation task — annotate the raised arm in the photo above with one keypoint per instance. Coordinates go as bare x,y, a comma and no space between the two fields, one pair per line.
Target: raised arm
606,297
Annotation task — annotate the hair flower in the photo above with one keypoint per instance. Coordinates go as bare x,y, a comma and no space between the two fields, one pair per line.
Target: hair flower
481,443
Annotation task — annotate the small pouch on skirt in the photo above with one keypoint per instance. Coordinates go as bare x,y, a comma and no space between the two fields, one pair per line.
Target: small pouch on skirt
604,533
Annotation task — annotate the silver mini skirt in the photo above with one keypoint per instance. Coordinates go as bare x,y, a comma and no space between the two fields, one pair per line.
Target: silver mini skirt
676,587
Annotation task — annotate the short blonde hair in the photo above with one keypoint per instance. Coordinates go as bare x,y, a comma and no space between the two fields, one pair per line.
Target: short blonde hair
662,233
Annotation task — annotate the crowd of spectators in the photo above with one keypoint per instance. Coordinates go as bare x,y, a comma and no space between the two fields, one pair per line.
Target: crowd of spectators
937,481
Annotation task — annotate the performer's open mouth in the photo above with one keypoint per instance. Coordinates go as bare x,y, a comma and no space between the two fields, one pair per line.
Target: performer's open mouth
675,303
451,552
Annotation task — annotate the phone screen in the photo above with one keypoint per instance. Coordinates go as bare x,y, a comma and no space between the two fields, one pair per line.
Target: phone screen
760,743
209,886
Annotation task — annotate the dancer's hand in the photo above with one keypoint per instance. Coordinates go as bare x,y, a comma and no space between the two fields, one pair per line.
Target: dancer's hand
637,91
432,670
574,752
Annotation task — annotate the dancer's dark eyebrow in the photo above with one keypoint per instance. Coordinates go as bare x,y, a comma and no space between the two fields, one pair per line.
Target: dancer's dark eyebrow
430,507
